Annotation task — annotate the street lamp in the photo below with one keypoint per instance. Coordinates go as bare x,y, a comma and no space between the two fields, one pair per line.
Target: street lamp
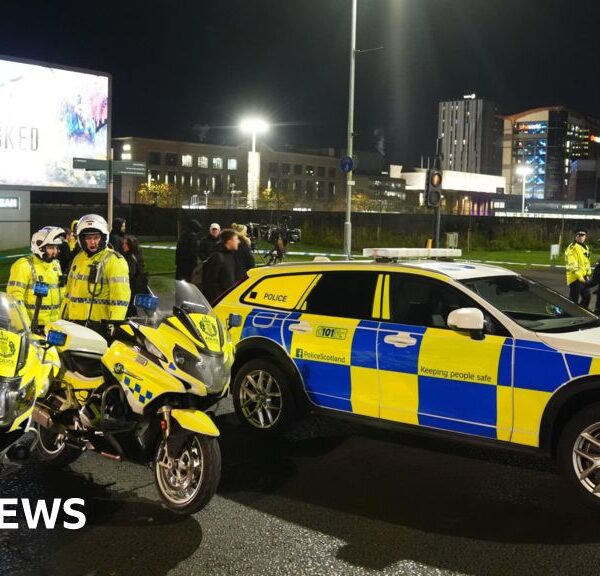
523,170
253,126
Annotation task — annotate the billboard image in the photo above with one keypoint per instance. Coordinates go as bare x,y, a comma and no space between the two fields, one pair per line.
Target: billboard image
48,116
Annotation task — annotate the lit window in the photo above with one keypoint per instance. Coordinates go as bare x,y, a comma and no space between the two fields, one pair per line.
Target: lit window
126,147
202,162
217,163
126,156
232,164
186,160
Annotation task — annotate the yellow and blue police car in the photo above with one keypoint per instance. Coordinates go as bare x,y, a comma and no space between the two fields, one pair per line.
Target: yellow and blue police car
455,346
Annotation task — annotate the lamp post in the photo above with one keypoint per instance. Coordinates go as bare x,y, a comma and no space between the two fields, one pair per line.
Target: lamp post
349,181
523,170
253,126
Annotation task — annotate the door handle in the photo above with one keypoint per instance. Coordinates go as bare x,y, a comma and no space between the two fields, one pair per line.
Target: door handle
302,327
400,340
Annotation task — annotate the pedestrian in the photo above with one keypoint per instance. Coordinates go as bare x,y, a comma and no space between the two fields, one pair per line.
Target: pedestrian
186,252
219,270
64,251
138,279
98,282
208,244
244,258
117,233
579,272
43,266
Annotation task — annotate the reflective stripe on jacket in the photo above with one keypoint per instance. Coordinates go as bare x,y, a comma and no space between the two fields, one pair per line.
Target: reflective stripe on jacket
108,298
23,275
577,260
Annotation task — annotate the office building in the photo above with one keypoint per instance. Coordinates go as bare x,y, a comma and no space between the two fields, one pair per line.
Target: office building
548,141
470,136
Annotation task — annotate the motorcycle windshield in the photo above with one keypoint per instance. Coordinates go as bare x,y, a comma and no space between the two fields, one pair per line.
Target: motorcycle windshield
14,329
204,321
189,297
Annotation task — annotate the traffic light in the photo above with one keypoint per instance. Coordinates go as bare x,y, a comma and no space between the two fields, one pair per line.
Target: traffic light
433,188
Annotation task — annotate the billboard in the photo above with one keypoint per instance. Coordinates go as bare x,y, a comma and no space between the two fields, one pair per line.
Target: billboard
48,116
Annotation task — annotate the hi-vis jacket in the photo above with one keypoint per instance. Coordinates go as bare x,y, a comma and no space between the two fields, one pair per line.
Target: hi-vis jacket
577,260
23,275
100,281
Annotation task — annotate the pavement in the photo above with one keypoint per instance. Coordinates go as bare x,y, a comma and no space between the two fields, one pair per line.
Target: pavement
329,498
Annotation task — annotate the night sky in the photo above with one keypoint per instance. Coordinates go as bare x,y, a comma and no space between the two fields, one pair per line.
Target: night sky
189,70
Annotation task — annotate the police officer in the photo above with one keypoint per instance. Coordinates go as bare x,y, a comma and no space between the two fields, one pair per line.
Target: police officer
43,266
579,270
98,282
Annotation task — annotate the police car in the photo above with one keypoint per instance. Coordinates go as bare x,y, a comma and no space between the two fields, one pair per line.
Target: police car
460,347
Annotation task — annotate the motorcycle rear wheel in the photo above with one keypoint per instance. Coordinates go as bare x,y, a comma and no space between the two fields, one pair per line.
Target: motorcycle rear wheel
189,481
53,450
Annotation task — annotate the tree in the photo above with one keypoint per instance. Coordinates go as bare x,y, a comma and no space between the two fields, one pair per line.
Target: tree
277,199
159,194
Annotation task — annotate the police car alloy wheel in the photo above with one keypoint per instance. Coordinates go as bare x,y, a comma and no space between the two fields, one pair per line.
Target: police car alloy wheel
579,453
261,396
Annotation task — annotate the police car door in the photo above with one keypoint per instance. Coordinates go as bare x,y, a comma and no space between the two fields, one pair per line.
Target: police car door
334,341
434,376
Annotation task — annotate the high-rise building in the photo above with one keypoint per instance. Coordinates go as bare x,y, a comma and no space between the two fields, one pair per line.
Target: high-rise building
470,135
548,141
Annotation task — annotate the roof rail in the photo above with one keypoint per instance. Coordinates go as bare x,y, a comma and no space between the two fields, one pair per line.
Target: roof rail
390,254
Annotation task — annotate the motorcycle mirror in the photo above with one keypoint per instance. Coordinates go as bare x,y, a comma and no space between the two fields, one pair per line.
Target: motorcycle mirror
41,289
56,338
146,301
234,320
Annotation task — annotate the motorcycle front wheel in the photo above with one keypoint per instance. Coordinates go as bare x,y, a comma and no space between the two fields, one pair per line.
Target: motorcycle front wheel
188,479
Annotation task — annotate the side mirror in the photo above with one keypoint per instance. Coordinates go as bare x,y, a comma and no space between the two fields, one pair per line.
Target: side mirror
56,338
467,319
234,321
146,302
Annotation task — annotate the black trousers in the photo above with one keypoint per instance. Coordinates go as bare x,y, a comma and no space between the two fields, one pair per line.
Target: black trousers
580,293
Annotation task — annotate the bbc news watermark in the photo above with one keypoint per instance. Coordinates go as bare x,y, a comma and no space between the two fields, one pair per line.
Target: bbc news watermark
16,513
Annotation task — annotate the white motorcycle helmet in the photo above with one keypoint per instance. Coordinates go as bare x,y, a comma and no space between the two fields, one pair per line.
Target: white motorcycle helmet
91,224
47,236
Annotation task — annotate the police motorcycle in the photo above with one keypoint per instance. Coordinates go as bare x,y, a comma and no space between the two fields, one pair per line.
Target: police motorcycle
27,364
142,394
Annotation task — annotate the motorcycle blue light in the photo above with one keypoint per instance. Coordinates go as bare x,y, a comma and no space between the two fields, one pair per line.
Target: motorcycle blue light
56,338
146,301
40,289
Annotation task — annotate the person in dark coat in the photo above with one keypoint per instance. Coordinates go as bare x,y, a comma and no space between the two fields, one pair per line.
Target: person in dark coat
186,253
244,258
138,279
117,233
218,274
208,244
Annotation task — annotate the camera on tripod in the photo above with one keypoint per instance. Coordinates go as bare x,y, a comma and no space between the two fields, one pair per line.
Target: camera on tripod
278,235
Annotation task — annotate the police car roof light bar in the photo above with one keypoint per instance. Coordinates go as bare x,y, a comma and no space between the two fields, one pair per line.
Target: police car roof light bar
407,253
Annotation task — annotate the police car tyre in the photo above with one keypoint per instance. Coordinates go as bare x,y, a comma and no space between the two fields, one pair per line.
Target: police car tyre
579,453
262,396
189,480
53,450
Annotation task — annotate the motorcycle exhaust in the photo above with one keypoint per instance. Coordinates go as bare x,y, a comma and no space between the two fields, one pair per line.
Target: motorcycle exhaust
41,416
111,456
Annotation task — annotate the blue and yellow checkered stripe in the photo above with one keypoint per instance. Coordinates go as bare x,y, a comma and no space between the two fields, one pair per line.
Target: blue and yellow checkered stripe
496,388
141,395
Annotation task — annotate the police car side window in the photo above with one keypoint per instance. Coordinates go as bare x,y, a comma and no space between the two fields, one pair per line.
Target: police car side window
343,294
419,301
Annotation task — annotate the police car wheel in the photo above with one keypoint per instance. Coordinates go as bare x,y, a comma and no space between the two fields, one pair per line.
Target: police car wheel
262,396
579,453
53,450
